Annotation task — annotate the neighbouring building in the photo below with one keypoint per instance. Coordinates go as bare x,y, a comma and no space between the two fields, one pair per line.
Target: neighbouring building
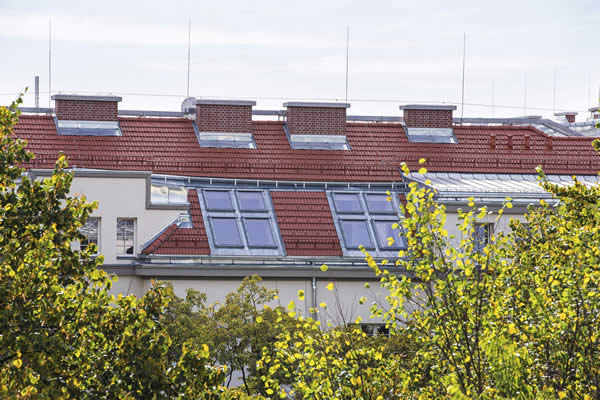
207,196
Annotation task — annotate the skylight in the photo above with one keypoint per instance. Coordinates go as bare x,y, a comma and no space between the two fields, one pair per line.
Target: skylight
226,140
319,142
162,194
88,128
240,222
431,135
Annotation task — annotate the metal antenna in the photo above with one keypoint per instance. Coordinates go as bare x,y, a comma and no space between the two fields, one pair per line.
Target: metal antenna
49,63
462,102
347,58
189,52
37,92
493,87
525,95
589,90
554,98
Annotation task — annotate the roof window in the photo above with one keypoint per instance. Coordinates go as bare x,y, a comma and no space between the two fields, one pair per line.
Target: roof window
162,194
240,222
319,142
88,128
431,135
233,140
366,219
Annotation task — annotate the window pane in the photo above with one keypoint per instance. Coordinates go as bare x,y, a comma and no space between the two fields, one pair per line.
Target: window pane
482,236
347,203
226,232
259,232
159,194
384,231
218,200
356,233
251,200
378,203
90,231
177,195
125,235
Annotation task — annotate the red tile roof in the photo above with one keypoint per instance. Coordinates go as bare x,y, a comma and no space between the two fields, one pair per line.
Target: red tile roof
183,241
306,224
169,146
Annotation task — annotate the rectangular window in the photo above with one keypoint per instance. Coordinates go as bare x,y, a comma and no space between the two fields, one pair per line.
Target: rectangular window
319,142
125,236
226,140
218,200
242,222
226,232
161,194
259,232
356,233
482,236
366,218
91,231
88,128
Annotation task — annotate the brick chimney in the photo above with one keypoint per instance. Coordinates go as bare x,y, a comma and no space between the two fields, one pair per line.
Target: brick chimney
306,118
233,116
70,107
595,113
428,116
568,115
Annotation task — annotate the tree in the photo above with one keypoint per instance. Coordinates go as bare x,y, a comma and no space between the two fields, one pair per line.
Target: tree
61,334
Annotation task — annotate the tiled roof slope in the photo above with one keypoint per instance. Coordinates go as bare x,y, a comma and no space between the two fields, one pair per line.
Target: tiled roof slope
169,146
183,241
306,224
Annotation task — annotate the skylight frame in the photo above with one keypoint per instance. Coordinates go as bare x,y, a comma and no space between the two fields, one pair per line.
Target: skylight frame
431,135
65,127
319,142
241,216
228,140
378,247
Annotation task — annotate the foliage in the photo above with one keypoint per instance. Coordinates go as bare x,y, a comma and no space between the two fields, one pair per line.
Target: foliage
61,334
236,330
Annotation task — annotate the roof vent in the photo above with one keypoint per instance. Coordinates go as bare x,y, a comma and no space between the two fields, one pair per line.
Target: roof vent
317,126
225,123
429,123
87,115
188,106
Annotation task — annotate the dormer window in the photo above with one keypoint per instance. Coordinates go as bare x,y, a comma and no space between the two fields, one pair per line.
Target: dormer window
88,128
226,140
319,142
431,135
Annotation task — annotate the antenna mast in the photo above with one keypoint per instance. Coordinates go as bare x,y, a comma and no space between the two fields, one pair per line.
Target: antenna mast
493,87
525,95
189,52
49,63
462,101
347,53
554,97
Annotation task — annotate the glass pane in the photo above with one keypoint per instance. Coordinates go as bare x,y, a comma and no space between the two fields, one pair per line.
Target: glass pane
177,195
125,235
347,203
218,200
251,200
259,232
159,194
226,232
90,231
482,236
378,203
356,233
384,231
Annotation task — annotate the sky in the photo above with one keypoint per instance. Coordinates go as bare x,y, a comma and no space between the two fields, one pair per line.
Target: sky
523,57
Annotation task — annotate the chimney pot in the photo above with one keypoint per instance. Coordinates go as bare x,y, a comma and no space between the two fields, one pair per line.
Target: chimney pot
233,116
568,115
510,141
527,142
493,141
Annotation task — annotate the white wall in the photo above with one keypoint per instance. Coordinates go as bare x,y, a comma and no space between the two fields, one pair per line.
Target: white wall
121,198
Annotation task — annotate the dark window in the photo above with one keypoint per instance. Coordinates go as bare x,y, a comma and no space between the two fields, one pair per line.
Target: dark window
356,233
482,236
226,232
384,230
251,201
125,236
258,231
378,203
91,232
218,200
347,203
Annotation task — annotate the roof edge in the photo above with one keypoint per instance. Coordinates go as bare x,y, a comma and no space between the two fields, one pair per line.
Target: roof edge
81,97
310,104
216,102
429,107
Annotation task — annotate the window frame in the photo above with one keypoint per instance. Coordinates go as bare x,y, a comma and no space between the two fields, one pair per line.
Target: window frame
477,245
98,235
211,224
241,215
134,240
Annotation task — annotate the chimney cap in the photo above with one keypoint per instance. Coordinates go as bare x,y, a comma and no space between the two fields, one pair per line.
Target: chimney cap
216,102
565,113
429,107
315,105
81,97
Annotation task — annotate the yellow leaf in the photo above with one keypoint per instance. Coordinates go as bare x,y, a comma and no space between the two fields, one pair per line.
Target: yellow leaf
562,395
259,319
330,286
301,294
323,304
324,267
423,171
422,161
17,363
512,329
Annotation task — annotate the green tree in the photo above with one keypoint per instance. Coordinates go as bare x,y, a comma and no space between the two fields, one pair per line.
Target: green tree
62,335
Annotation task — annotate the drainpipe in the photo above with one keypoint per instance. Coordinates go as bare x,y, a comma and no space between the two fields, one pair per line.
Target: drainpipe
314,298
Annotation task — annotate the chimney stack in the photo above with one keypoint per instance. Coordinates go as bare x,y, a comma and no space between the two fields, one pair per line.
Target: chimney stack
70,107
428,116
232,116
568,115
595,113
306,118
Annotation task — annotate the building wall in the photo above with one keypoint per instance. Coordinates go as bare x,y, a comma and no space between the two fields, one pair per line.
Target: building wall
122,198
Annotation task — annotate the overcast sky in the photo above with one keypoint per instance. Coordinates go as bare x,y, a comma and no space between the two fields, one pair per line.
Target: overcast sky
272,51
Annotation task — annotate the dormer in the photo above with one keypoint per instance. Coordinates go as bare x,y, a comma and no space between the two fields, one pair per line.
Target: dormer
87,115
429,123
317,126
225,123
